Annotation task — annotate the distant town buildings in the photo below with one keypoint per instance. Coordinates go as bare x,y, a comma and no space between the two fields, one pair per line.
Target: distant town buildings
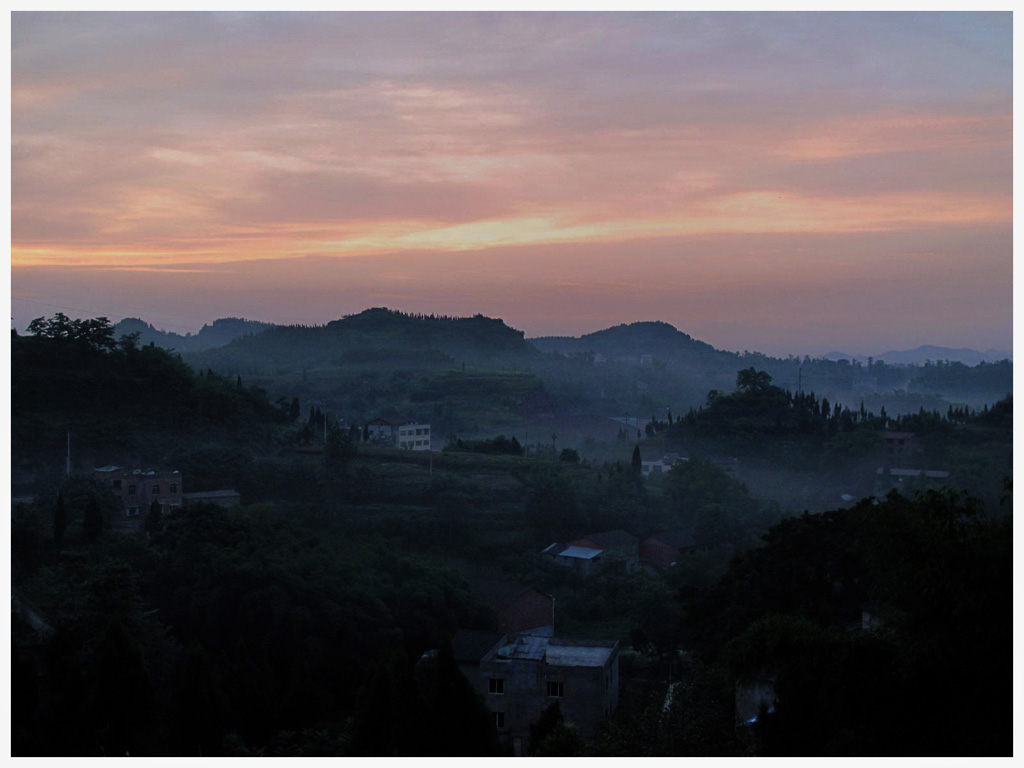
139,488
664,464
405,434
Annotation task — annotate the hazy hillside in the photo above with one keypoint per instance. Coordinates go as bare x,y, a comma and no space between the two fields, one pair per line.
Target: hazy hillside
459,374
216,334
631,342
374,335
478,374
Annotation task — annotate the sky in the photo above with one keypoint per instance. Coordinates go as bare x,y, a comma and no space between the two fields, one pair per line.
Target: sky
791,183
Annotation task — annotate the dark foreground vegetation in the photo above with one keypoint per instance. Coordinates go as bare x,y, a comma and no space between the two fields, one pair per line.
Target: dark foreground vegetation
295,624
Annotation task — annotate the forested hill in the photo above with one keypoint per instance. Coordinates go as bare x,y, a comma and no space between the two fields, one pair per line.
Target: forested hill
387,327
215,334
624,341
616,370
374,335
118,398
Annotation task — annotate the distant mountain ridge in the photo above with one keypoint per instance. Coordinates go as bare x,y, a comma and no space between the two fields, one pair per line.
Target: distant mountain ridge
630,341
460,371
216,334
922,354
376,334
492,336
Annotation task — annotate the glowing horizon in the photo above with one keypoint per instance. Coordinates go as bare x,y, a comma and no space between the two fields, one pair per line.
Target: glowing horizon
191,144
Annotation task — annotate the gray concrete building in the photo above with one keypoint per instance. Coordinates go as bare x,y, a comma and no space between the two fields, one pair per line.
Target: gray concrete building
524,674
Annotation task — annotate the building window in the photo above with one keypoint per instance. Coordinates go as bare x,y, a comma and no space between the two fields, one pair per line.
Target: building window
156,490
133,511
131,490
555,689
117,485
172,488
499,720
495,685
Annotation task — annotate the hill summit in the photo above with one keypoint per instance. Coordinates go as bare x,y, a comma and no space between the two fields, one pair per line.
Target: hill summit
629,340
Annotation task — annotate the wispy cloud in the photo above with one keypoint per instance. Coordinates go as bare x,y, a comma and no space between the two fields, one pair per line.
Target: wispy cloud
146,140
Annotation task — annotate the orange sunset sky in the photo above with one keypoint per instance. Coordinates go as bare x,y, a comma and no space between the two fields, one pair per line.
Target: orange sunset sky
787,182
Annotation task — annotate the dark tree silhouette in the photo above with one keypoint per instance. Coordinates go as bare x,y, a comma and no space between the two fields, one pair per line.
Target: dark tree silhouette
752,380
155,517
92,519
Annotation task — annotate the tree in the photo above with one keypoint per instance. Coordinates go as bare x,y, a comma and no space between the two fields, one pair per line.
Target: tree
551,506
637,463
753,381
198,703
563,741
294,411
549,719
461,724
940,578
96,333
570,456
92,519
155,518
388,716
338,452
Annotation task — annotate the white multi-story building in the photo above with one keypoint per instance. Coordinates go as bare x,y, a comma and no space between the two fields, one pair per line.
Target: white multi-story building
407,435
414,437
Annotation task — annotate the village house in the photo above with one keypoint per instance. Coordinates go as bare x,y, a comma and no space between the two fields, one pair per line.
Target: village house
653,469
138,488
522,675
661,551
405,434
582,560
616,546
899,447
516,608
